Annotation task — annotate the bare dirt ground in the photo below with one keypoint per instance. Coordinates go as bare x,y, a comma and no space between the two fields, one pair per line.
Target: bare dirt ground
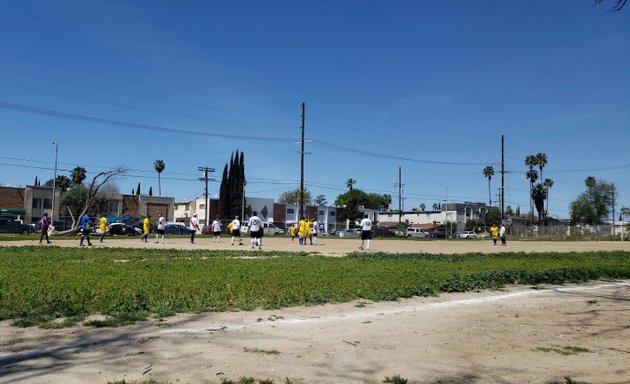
515,335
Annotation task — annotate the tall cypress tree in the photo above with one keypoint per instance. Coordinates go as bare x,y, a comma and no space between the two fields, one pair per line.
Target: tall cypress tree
237,184
231,189
224,194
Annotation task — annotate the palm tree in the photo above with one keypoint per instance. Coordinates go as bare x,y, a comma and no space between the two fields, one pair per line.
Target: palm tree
530,161
532,176
541,160
63,183
539,194
590,182
435,206
159,167
78,175
489,172
320,200
422,207
350,183
548,183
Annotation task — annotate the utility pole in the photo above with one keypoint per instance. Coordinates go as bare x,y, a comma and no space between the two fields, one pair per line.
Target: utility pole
613,207
302,165
52,216
502,178
205,171
399,185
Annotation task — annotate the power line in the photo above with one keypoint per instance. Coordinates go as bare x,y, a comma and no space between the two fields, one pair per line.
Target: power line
344,148
128,79
140,108
130,93
97,120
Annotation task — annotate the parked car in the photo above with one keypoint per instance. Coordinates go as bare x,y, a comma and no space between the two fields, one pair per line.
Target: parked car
269,228
416,232
139,228
176,229
467,235
15,226
121,229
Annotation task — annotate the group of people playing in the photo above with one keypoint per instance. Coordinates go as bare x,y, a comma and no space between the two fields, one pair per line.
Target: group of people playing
305,229
234,229
499,232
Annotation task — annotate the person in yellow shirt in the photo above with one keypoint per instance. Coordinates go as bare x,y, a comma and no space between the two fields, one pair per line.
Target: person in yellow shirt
146,228
292,231
494,233
302,231
103,227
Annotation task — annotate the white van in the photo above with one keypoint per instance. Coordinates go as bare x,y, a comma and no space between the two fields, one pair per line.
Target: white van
268,228
416,232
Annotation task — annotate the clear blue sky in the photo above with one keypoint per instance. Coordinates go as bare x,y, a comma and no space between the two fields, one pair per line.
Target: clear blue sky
428,86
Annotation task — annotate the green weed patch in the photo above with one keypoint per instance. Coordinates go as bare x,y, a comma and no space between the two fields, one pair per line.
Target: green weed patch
52,287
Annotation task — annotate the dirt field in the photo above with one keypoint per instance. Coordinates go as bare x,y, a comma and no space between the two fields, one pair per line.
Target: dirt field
515,335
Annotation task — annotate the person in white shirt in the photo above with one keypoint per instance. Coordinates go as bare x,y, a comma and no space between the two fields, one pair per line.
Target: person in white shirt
255,227
161,224
503,235
314,232
236,230
366,232
216,229
194,226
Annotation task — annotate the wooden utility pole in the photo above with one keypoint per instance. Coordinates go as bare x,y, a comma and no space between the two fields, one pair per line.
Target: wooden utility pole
302,167
399,195
502,177
205,171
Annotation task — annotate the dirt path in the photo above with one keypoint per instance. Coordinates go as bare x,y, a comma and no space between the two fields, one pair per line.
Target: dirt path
515,335
338,246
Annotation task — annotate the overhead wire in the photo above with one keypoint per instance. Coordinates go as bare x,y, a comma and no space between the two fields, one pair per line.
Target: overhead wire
138,94
130,79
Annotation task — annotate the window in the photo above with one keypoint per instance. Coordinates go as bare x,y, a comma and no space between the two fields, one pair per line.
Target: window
202,206
37,203
113,206
290,211
321,213
47,203
332,213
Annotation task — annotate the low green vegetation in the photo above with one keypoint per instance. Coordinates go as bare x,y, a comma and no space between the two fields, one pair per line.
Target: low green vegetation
396,379
54,287
262,351
563,350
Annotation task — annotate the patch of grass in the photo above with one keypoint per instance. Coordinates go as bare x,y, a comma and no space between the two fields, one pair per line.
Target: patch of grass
396,379
41,284
147,381
262,351
65,323
566,351
250,380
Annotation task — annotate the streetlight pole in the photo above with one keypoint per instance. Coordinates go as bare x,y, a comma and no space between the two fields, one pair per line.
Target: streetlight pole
52,216
243,201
